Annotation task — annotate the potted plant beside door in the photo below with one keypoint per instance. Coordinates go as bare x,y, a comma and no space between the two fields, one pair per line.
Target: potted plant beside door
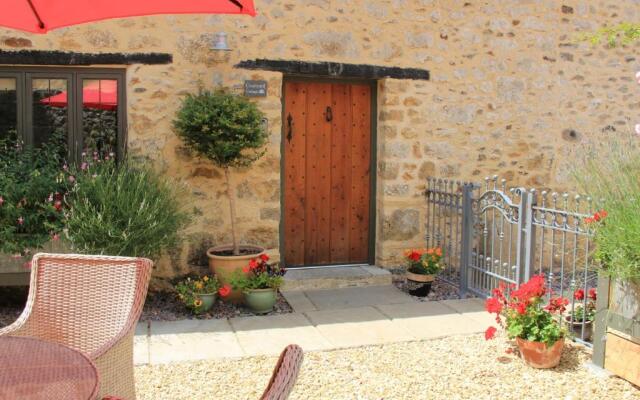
422,267
259,281
227,130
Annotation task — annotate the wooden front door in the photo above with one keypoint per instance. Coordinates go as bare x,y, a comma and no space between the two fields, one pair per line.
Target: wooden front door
327,174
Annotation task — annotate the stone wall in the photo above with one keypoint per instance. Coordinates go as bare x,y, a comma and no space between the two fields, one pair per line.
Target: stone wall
512,93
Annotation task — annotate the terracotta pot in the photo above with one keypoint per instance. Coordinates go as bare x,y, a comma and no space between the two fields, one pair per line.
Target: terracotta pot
225,266
538,355
576,327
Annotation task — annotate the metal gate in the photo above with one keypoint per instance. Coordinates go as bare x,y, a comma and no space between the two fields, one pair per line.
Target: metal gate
490,233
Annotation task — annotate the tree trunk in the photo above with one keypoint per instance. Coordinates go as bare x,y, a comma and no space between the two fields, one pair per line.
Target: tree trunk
232,208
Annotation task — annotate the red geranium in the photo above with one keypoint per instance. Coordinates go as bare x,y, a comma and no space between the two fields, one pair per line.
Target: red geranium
490,333
225,290
493,305
525,312
578,294
593,294
557,304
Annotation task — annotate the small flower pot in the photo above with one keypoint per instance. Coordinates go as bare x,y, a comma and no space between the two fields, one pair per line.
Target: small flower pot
260,301
208,300
538,355
576,328
419,285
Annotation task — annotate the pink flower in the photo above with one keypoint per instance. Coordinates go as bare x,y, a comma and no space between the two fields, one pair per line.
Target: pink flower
20,221
84,166
72,178
55,237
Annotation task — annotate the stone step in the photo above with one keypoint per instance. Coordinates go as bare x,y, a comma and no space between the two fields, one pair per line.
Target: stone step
336,277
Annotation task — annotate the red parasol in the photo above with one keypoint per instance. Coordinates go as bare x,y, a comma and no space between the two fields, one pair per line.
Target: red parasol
102,95
41,16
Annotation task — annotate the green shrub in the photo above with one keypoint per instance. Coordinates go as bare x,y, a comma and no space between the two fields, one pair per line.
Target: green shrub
226,129
124,210
609,172
33,184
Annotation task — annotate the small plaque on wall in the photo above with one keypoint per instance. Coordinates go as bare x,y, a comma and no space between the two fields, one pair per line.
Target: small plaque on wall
255,88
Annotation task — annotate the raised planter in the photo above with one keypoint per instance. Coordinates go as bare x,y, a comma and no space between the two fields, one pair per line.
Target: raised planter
16,271
622,344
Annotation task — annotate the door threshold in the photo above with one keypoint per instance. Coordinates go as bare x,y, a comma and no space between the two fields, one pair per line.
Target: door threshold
329,266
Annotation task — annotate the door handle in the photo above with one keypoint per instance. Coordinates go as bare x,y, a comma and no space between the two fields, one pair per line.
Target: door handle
329,114
290,128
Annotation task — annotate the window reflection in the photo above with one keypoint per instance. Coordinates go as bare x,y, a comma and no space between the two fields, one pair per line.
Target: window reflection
100,116
8,108
50,110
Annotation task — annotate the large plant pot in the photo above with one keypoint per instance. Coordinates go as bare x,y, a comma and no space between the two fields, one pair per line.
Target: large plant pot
576,328
419,285
538,355
224,265
260,301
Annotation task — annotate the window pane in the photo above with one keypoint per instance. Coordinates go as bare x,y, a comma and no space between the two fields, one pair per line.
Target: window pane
50,107
8,108
100,116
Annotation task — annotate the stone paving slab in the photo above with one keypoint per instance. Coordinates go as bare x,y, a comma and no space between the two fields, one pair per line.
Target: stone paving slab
359,326
270,334
474,309
335,299
186,340
428,320
298,300
394,319
336,277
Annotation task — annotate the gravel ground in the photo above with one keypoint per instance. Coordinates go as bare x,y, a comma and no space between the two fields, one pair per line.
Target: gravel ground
164,306
440,290
458,367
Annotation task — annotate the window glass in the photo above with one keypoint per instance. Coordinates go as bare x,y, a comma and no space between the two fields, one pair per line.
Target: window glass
100,116
8,108
50,110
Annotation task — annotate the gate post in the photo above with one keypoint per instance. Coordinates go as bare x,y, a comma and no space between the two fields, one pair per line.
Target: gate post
529,236
467,236
526,235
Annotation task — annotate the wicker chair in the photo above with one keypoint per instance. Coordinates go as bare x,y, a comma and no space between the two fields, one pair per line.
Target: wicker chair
284,374
91,304
283,378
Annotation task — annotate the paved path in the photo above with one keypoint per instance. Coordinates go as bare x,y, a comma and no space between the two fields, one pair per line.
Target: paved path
322,320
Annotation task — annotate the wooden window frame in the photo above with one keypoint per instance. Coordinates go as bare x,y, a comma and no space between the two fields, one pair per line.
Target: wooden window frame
74,77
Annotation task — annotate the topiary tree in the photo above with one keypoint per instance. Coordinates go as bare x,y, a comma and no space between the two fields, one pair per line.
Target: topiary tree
226,129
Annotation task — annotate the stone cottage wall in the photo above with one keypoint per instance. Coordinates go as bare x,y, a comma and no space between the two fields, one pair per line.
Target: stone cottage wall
512,93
